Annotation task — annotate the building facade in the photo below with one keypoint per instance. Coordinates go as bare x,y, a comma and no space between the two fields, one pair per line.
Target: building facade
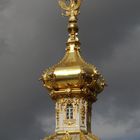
73,84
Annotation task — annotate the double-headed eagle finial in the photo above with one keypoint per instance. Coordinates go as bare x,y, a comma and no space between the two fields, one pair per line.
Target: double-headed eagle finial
71,9
70,6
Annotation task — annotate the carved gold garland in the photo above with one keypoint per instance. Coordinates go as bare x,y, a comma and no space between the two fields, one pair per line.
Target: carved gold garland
70,122
64,101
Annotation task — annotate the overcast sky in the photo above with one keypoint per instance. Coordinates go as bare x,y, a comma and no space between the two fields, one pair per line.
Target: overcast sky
32,37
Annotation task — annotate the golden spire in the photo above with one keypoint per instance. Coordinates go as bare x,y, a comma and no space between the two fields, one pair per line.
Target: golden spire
73,75
71,9
73,84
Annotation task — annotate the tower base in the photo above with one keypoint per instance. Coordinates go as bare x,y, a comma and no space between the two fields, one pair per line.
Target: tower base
72,136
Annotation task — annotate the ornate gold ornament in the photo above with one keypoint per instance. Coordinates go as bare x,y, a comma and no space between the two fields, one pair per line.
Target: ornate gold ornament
71,7
67,136
70,122
69,100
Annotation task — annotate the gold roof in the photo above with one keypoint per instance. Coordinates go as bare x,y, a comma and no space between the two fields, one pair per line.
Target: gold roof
72,75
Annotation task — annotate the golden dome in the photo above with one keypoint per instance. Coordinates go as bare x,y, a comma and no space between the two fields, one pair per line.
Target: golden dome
72,75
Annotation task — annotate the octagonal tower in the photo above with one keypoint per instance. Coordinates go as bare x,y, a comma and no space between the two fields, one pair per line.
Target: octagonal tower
73,84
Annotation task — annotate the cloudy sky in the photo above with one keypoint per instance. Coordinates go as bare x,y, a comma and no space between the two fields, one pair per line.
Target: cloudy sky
32,37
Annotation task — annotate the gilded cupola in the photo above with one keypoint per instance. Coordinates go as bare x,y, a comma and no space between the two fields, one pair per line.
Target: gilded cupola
73,84
73,75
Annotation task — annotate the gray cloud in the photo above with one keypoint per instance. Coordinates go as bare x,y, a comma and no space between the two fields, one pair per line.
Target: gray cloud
110,21
3,45
35,30
121,106
4,4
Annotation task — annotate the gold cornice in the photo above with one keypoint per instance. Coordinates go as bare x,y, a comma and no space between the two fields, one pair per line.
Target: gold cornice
71,93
